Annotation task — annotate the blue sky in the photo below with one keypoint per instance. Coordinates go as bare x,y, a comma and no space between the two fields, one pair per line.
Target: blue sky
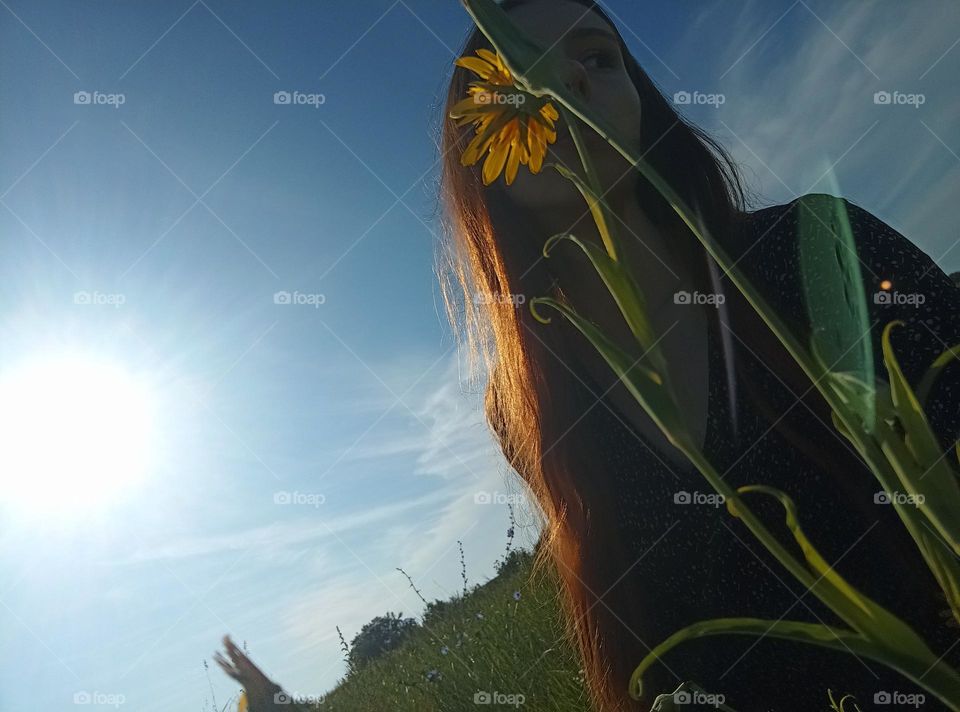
199,198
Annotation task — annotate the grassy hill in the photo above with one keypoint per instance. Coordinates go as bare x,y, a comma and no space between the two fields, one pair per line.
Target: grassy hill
500,644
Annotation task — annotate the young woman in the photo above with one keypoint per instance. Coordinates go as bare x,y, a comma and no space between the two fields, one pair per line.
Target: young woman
641,550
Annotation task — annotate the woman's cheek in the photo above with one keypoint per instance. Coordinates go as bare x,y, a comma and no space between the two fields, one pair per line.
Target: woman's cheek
544,190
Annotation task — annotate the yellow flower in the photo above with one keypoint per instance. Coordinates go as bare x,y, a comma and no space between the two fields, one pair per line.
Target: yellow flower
512,126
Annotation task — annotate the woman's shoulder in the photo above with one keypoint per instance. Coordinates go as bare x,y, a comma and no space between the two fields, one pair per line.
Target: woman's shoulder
766,233
900,281
895,271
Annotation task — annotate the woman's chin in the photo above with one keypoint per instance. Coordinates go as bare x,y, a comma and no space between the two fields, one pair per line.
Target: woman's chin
547,190
606,159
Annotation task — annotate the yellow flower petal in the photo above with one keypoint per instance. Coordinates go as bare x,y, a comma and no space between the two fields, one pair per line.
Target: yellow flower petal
513,162
492,58
473,152
494,163
468,106
536,159
478,66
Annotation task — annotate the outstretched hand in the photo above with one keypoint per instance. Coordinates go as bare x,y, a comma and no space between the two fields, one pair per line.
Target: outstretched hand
261,694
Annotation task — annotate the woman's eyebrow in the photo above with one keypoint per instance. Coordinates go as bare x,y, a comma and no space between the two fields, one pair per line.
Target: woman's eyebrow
587,32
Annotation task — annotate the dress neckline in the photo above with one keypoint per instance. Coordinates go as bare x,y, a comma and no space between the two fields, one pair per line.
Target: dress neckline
717,432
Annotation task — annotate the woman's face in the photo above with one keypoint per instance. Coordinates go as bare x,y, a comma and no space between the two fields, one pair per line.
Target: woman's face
596,71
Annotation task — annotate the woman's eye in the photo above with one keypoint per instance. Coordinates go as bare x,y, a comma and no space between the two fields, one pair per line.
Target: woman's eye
598,59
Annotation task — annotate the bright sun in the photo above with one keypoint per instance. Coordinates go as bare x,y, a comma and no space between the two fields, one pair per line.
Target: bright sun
74,433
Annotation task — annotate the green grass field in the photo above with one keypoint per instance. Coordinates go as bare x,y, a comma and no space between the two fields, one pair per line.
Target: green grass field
501,645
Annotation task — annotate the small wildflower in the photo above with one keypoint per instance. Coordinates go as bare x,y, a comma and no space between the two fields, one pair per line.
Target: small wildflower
433,675
516,595
444,650
479,616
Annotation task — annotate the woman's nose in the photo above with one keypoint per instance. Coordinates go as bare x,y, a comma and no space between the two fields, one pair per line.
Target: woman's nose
576,79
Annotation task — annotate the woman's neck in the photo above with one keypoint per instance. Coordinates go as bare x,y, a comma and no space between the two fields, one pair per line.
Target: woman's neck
646,247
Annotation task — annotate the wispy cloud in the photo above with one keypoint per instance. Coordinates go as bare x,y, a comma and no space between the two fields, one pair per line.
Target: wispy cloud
800,98
439,426
274,539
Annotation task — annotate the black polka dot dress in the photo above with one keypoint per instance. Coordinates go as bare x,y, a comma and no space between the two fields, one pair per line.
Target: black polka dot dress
691,560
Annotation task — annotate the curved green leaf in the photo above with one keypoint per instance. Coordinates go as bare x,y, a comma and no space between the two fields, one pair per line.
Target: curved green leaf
926,383
921,465
833,289
598,207
798,631
876,622
625,292
643,382
926,670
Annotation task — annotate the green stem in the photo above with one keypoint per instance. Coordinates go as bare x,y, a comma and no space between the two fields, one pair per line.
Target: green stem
933,675
832,598
605,224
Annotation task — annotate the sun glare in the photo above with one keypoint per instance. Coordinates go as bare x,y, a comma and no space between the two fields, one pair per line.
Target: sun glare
74,434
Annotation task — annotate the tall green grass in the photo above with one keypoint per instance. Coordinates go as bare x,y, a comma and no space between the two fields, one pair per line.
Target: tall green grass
504,637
